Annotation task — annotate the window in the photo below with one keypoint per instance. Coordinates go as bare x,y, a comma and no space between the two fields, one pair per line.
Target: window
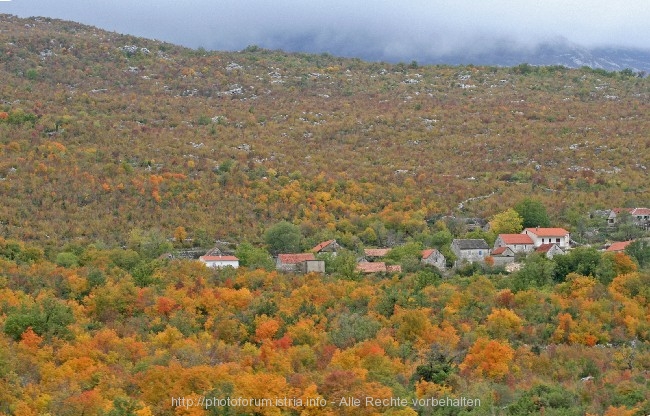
557,240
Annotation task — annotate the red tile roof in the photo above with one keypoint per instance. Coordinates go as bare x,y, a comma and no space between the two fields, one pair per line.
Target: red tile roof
371,267
322,246
633,211
619,245
394,269
428,252
218,258
376,252
516,238
547,232
499,250
640,211
544,248
295,258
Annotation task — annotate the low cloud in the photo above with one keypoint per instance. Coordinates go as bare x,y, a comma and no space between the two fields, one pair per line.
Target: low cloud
379,30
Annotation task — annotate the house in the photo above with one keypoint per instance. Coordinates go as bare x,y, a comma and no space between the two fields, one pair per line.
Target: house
375,253
433,257
470,250
619,246
220,261
518,243
329,246
640,216
540,236
291,262
503,255
549,249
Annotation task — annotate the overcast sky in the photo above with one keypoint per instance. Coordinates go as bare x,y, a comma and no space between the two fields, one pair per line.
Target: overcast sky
373,29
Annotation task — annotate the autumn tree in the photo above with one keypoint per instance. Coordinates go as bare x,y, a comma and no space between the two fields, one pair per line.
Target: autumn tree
506,222
180,234
488,359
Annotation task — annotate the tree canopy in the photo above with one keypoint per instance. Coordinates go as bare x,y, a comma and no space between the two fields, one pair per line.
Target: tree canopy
533,213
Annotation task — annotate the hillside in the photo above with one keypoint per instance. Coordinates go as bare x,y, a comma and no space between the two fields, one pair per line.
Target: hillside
102,133
111,146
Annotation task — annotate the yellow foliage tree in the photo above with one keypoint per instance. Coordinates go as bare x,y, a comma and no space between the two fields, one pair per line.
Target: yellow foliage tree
488,359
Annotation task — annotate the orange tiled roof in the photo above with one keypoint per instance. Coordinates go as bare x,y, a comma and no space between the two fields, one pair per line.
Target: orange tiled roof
295,258
322,246
376,252
619,245
633,211
547,232
544,248
516,238
499,250
371,267
394,269
428,252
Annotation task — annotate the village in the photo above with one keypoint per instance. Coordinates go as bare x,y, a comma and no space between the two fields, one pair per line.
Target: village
507,252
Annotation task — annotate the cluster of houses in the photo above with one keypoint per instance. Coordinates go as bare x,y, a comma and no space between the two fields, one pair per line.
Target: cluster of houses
640,216
370,262
549,241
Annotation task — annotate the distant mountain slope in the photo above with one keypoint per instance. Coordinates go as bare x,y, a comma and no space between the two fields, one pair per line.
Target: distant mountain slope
558,52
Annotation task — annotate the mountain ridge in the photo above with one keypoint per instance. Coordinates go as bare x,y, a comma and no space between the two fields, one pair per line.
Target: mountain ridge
557,52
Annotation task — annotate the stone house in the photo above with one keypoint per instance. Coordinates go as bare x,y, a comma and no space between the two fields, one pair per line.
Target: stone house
518,243
329,246
434,257
549,249
640,216
291,262
470,250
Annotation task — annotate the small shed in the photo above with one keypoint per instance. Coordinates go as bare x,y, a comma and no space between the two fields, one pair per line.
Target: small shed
290,262
311,266
503,256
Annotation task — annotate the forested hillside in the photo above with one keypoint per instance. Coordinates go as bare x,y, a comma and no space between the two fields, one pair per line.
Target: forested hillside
117,333
115,150
102,133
